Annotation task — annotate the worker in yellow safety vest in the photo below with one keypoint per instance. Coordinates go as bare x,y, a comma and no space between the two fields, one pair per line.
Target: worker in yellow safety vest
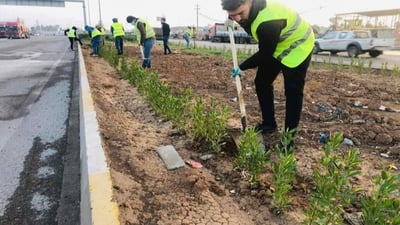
72,36
145,35
285,44
118,32
188,34
95,35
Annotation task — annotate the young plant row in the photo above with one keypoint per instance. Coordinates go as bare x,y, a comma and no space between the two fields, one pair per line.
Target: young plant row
360,66
205,120
333,192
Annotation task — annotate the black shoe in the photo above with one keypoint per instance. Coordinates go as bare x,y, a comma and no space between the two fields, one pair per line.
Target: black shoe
265,129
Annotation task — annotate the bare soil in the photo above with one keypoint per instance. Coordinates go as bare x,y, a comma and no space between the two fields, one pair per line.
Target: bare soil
363,106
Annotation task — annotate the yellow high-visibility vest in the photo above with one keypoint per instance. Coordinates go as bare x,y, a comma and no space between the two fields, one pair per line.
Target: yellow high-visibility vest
296,39
118,29
95,32
149,29
71,33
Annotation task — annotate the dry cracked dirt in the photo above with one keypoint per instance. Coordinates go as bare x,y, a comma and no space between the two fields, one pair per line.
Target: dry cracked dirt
363,106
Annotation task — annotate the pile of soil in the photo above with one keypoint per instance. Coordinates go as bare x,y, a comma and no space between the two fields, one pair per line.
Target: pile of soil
363,106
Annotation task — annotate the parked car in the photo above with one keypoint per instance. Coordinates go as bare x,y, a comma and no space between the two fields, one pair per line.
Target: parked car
354,42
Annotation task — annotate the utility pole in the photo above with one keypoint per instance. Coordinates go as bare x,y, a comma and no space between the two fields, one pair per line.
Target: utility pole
197,25
100,20
88,4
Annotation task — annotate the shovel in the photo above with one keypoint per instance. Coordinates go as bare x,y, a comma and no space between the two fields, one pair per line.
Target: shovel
236,135
237,79
141,51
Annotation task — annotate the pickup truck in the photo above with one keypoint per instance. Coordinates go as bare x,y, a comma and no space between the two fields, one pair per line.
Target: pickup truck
354,42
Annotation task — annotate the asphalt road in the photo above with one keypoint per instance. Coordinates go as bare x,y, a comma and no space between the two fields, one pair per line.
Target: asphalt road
37,100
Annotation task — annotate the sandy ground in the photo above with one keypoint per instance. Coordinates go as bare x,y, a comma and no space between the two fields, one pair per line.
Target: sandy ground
363,106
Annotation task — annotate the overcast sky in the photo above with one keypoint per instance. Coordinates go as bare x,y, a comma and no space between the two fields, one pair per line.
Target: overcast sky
177,12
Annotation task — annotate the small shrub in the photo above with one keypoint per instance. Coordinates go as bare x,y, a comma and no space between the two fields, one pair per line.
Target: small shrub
333,191
251,158
284,171
382,207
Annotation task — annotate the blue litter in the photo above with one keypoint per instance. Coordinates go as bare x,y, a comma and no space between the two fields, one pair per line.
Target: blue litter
322,107
323,137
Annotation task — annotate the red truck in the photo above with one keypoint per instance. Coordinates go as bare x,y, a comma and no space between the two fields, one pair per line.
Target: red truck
13,30
3,33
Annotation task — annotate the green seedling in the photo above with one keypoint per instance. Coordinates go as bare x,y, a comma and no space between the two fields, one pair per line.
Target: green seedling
382,207
251,158
284,171
333,190
209,122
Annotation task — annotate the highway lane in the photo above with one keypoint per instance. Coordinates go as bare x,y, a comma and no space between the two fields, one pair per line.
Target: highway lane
36,78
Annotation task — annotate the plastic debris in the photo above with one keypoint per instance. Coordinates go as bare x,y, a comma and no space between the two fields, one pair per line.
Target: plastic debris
357,103
382,108
206,157
385,155
194,164
337,112
323,137
347,141
358,121
322,107
234,99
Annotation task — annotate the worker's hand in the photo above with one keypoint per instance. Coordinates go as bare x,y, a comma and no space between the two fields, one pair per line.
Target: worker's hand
236,72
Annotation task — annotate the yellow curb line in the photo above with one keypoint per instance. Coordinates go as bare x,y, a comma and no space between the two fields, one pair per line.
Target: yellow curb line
97,204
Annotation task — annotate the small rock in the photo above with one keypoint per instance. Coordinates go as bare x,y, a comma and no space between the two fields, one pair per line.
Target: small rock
358,121
385,155
206,157
353,218
357,103
347,141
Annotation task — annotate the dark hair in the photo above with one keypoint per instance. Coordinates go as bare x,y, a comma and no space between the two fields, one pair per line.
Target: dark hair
232,4
129,19
115,20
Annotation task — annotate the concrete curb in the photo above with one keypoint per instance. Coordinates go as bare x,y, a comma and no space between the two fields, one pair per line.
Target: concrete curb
97,204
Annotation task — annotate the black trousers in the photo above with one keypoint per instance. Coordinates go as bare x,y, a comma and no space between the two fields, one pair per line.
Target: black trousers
165,44
119,44
71,41
294,81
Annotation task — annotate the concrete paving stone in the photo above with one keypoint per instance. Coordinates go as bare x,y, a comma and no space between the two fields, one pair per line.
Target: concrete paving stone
170,157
